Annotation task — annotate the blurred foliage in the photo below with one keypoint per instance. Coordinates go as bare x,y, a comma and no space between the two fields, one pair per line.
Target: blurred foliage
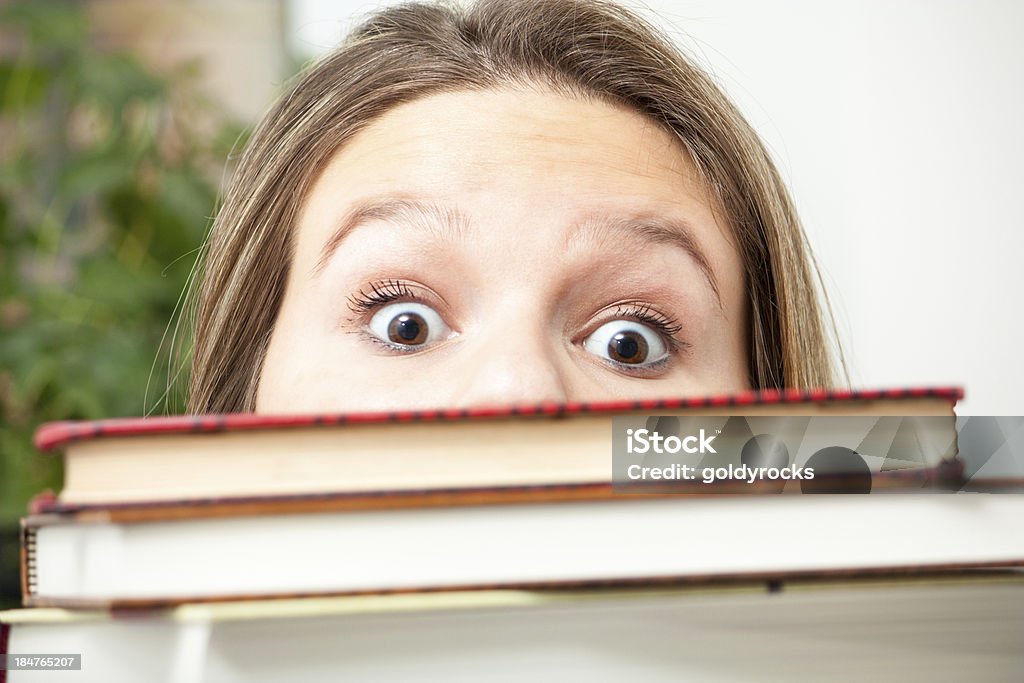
108,178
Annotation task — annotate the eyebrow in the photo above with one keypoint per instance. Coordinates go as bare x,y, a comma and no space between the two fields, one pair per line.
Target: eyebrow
652,230
447,223
443,222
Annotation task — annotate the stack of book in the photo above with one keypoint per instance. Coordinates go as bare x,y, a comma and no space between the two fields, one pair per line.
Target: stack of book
498,545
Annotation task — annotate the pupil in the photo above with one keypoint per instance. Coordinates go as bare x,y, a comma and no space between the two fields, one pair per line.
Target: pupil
408,328
628,347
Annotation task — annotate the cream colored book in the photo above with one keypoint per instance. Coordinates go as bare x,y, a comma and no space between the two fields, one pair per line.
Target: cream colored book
235,456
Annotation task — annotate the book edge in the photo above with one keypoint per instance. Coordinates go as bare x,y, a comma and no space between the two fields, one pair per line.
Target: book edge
52,435
771,581
946,476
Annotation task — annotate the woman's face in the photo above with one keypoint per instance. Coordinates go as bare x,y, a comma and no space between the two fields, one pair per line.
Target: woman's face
506,246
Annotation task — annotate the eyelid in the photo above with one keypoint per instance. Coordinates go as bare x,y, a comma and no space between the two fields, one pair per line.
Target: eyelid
638,312
377,293
642,313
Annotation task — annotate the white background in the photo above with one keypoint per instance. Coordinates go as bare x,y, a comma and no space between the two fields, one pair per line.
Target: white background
899,126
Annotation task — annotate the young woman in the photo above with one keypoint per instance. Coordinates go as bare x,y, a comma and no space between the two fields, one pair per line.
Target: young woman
521,201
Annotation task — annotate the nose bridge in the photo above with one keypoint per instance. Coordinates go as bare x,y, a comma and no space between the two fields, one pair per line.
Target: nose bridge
513,357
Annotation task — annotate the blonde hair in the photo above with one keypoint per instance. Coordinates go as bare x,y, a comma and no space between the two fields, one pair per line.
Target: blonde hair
580,48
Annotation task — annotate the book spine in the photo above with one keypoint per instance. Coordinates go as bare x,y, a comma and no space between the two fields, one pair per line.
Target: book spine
5,636
29,574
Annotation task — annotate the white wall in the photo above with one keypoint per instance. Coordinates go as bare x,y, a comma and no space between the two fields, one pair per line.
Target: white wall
900,127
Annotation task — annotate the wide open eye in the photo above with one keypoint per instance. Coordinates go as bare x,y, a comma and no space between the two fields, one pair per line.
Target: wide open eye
627,342
408,325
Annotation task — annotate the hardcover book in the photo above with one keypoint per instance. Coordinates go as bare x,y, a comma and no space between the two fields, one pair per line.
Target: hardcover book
236,456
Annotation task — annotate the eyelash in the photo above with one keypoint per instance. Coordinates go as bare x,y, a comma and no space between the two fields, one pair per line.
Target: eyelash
380,294
384,292
641,312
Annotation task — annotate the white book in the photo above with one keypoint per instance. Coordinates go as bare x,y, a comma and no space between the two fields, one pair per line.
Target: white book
950,629
555,540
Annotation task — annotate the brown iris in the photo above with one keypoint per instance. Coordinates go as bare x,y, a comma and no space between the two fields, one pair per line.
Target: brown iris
409,329
628,347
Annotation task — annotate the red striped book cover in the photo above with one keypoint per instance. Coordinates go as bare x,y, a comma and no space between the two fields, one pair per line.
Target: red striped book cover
57,434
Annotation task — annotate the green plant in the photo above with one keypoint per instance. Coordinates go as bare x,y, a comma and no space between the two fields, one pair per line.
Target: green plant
108,178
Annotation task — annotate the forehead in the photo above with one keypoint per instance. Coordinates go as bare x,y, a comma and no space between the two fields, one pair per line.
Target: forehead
556,147
525,169
529,164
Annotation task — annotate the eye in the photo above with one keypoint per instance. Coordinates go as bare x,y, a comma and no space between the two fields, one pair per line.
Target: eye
408,325
627,342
